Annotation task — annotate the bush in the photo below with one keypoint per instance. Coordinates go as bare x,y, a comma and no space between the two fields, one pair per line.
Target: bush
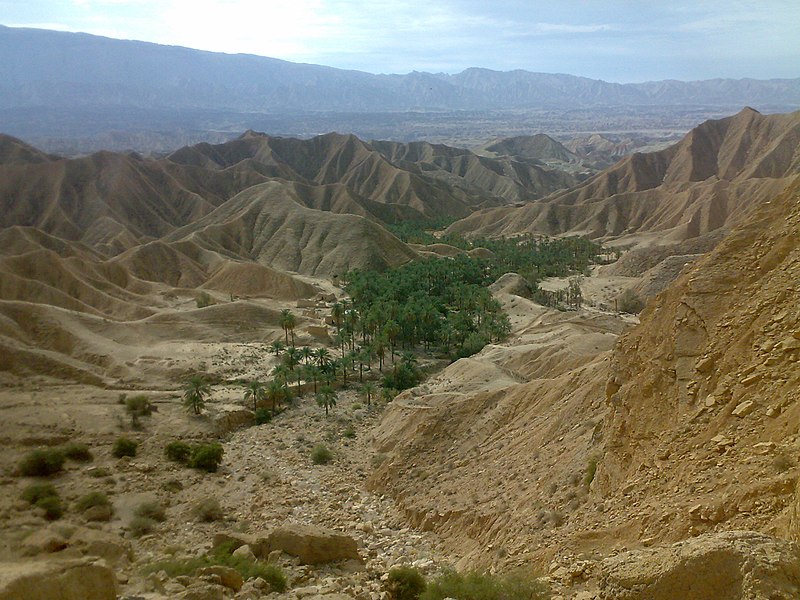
263,415
52,507
206,457
349,433
476,585
320,455
203,300
38,491
41,463
99,472
591,470
151,510
92,499
401,378
405,583
178,451
630,302
77,452
247,568
124,447
140,526
139,405
207,510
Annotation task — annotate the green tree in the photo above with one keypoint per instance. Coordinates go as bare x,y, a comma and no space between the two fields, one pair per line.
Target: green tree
368,391
195,392
288,323
277,347
326,397
255,391
275,393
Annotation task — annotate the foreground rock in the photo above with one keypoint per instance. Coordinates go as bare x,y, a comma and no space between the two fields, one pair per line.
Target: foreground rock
313,545
57,580
735,565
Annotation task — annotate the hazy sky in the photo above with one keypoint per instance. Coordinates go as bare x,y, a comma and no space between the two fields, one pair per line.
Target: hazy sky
614,40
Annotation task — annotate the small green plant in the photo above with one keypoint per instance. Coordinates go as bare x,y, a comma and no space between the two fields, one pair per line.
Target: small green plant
630,302
321,455
98,472
91,500
124,447
138,406
42,462
172,486
485,587
247,568
140,526
151,510
207,510
52,507
77,452
37,491
263,416
203,300
349,433
591,470
405,583
178,451
206,457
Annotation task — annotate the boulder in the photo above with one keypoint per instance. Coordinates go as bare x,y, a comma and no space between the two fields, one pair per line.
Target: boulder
228,577
313,545
202,591
732,565
230,417
57,580
43,541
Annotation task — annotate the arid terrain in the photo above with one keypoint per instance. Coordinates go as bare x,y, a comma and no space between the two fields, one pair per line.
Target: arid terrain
606,454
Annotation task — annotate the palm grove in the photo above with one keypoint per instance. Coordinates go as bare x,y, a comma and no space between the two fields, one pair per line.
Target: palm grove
440,306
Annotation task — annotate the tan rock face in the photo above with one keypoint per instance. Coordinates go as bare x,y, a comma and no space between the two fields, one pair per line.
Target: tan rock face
313,545
57,580
736,565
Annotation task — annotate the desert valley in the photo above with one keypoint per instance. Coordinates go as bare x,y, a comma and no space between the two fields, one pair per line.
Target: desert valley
321,367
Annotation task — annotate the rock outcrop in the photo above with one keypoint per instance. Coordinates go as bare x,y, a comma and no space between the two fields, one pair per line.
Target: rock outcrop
57,580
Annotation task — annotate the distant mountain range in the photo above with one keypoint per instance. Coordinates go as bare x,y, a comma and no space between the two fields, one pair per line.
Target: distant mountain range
57,85
52,68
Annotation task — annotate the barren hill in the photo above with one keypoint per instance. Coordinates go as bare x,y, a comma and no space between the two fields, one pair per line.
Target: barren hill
710,180
690,419
540,147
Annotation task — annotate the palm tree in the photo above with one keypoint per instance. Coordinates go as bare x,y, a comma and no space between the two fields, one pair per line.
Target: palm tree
368,390
277,347
291,359
288,322
281,373
194,393
312,372
326,397
254,391
276,392
306,354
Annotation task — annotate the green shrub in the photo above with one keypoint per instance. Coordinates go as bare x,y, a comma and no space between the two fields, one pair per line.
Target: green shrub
591,470
263,415
92,499
207,510
37,491
405,583
247,568
178,451
320,455
77,452
151,510
479,586
203,300
52,507
349,433
124,447
140,526
630,302
206,457
139,405
42,462
99,472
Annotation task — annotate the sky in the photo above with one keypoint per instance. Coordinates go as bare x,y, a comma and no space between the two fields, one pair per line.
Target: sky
613,40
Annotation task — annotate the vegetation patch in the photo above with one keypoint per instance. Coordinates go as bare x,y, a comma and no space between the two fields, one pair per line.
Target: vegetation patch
405,583
475,585
42,462
91,500
151,510
77,452
207,510
124,447
247,568
178,451
321,455
206,457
